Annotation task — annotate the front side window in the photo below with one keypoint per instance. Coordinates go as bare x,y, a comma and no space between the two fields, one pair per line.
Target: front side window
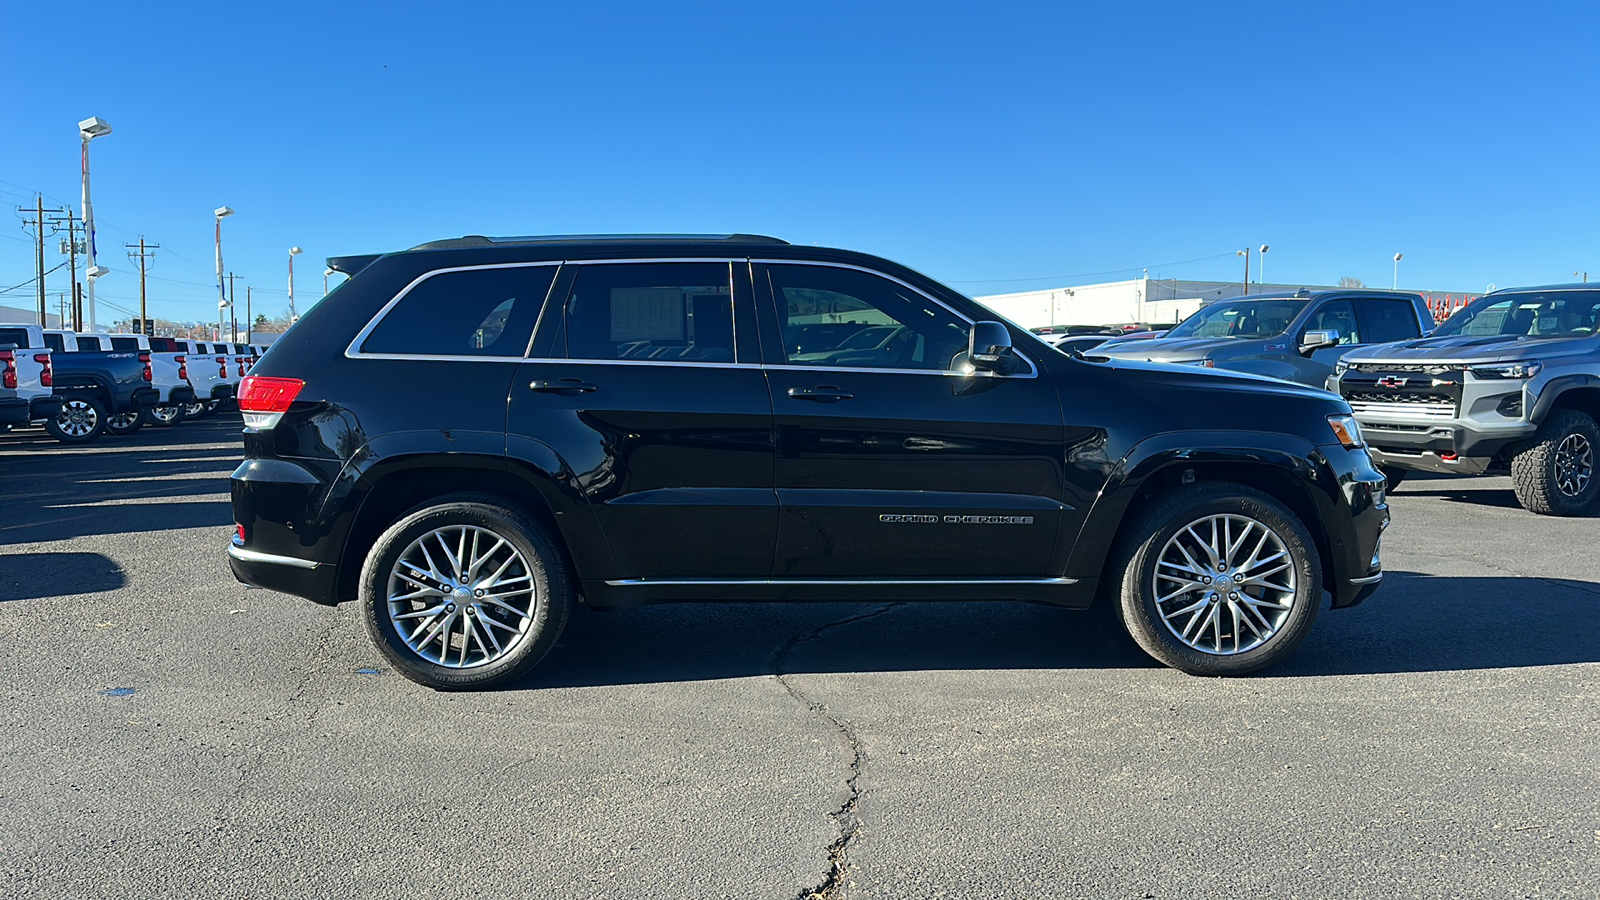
1240,319
468,312
662,312
1336,315
848,318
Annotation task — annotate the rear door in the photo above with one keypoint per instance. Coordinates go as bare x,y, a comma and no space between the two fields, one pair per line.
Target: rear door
646,382
894,463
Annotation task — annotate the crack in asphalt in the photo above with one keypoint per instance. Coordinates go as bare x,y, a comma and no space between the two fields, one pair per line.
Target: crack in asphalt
846,818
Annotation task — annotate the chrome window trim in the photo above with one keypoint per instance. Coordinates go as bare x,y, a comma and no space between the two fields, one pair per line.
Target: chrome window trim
244,555
352,351
637,362
1033,368
845,582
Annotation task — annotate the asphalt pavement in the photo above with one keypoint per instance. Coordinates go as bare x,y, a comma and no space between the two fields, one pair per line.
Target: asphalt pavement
166,731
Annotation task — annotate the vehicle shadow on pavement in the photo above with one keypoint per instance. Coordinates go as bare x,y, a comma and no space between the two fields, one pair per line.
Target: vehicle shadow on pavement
29,576
1429,623
698,642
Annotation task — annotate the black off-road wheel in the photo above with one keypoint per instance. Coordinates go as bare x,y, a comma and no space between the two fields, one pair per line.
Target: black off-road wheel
1554,474
465,592
82,419
1217,579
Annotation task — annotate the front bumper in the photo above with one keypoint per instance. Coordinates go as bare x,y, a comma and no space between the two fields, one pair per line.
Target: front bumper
1355,526
1469,423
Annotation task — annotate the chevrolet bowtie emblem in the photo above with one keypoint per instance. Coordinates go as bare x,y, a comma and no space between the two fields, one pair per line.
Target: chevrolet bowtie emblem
1389,381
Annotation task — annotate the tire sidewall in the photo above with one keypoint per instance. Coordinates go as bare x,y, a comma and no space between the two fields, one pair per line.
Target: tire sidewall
1560,502
136,422
524,535
56,430
1533,470
1143,619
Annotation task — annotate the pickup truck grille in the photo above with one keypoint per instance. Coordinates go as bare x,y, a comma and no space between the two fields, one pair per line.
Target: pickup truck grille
1422,407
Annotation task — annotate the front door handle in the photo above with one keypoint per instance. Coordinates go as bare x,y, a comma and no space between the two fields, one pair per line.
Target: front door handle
564,386
825,393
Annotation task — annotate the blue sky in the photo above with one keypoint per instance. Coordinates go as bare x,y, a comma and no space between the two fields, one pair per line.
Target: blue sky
995,146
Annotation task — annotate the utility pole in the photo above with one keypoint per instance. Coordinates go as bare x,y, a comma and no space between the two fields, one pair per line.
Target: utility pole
38,234
249,319
233,316
72,250
145,253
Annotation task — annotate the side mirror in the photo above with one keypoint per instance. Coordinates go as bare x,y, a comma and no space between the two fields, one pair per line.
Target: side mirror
1319,340
989,348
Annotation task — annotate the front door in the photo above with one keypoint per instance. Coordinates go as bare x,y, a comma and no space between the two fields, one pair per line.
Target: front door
657,403
892,461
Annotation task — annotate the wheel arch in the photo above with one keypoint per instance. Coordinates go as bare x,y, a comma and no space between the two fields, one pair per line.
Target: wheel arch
1579,392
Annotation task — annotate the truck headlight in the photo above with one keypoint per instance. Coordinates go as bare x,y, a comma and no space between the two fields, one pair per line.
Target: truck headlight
1347,430
1526,368
1340,367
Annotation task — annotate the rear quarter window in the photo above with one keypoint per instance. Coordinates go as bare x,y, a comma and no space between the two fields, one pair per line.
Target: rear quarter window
466,312
18,336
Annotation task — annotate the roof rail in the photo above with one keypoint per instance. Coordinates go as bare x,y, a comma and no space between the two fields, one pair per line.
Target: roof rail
478,240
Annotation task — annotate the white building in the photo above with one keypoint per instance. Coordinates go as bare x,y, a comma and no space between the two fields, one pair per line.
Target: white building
1156,301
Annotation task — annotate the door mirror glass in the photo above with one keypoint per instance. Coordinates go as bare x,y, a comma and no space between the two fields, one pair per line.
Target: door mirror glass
1318,340
989,348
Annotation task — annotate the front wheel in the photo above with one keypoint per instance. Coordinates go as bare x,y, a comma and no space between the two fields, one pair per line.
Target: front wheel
1217,579
466,592
1554,474
82,419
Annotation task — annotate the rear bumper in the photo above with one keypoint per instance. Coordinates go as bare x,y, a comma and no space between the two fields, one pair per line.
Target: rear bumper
179,395
144,398
290,575
222,392
14,411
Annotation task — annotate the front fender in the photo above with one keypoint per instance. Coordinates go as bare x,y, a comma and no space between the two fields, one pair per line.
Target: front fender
1554,388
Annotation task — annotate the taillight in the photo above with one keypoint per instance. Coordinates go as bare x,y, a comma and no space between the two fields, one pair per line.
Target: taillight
222,367
183,367
240,361
9,378
148,375
264,399
47,376
238,534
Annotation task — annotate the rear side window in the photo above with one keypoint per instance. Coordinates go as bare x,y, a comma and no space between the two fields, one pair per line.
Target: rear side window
54,342
124,343
468,312
18,336
1386,321
665,312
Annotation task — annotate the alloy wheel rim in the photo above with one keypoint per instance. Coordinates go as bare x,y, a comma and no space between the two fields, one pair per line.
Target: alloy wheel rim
123,421
78,418
193,409
1574,465
461,597
165,413
1225,584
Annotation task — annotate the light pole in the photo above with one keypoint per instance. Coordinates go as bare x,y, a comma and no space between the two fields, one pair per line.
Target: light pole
293,252
1584,274
325,274
1261,266
89,129
1246,254
222,298
1397,258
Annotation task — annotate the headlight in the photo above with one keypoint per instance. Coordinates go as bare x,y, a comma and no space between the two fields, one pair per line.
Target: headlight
1340,367
1526,368
1347,430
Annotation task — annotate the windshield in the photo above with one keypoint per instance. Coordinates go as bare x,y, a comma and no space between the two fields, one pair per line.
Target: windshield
1240,318
1536,314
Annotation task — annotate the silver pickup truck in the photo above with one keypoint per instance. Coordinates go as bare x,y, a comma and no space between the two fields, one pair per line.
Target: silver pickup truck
1511,383
1295,337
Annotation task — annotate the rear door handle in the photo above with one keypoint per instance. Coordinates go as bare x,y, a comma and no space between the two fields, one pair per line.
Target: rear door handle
565,385
825,393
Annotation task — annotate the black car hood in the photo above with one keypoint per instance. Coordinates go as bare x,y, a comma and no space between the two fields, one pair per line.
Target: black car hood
1167,375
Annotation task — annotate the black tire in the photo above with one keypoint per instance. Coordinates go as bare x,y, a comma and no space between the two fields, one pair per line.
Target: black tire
195,410
165,416
124,424
1554,474
82,420
1133,568
1392,477
537,555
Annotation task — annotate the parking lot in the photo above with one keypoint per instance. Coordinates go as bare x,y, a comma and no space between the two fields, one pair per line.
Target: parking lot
170,732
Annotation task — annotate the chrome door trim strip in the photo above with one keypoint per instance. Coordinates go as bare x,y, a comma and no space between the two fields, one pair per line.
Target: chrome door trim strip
352,351
244,555
828,582
1370,579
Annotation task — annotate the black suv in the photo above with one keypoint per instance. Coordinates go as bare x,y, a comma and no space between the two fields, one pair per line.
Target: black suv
473,435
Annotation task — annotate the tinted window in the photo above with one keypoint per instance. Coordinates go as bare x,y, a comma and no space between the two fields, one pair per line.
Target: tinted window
89,343
1335,315
18,336
843,317
164,345
124,343
54,342
1385,321
1240,318
476,312
671,312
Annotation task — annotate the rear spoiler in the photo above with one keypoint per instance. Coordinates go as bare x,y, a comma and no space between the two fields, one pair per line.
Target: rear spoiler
351,266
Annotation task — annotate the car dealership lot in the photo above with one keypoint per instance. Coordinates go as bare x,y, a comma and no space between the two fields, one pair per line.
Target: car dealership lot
168,731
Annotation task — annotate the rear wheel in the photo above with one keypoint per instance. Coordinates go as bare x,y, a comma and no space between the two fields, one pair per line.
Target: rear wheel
81,420
1554,475
124,424
1217,579
467,592
166,416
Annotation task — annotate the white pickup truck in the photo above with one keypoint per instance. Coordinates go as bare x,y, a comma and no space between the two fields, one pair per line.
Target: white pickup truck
26,378
170,376
212,373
